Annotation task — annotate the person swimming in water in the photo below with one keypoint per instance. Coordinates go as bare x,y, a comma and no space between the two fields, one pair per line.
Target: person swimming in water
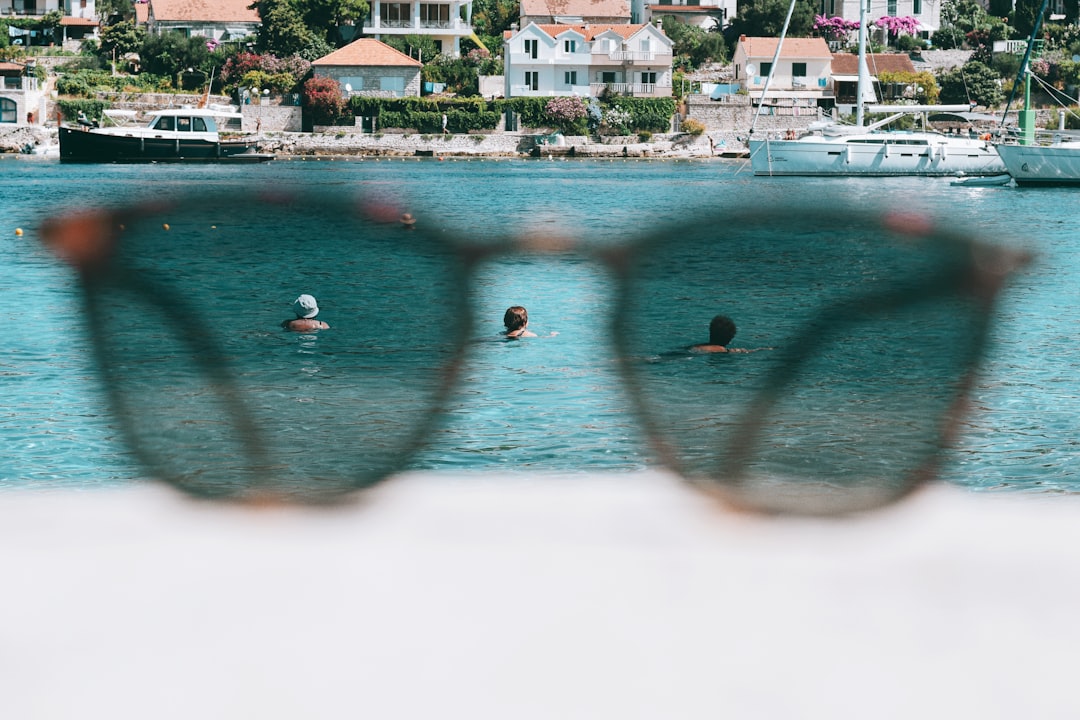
306,308
516,320
721,332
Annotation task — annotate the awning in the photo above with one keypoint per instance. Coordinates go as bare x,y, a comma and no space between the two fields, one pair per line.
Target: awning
845,78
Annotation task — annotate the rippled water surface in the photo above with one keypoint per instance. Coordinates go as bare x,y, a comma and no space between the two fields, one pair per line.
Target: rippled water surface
550,403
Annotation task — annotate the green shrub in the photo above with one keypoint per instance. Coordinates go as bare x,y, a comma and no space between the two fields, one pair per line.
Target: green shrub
69,109
692,127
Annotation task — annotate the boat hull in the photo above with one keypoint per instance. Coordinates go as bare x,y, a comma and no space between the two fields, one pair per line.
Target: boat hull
81,145
877,156
1042,165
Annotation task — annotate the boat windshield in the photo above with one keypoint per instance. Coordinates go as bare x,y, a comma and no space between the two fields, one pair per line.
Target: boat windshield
182,123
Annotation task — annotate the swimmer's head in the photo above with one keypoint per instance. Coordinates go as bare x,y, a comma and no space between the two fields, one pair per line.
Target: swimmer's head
305,307
515,318
721,330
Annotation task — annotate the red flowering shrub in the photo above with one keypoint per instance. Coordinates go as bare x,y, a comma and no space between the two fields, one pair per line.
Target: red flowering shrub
322,98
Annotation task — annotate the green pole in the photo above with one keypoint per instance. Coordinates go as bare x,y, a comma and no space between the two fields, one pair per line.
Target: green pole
1026,117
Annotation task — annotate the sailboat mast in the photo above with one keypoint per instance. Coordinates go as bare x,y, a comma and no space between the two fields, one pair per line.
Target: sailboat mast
864,73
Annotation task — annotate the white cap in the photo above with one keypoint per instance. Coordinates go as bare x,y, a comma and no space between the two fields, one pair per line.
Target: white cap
305,307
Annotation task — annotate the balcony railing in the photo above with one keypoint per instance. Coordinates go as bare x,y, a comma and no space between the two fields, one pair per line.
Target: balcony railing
633,89
394,23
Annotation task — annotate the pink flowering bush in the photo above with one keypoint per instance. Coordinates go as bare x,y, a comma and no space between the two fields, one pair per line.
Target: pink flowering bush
566,113
905,25
243,63
834,28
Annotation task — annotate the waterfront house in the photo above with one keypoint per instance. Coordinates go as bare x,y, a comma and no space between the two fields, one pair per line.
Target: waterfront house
575,12
445,22
845,75
372,68
587,60
213,19
79,22
21,101
802,77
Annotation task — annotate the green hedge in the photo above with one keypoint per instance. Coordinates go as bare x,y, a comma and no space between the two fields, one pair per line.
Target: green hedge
464,114
70,108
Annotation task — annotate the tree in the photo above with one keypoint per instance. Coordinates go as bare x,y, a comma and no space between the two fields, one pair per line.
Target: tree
1024,16
283,31
120,39
974,82
170,53
108,9
765,18
421,47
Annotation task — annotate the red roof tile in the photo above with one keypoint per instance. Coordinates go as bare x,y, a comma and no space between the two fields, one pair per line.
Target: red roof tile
575,8
369,53
221,11
757,47
848,63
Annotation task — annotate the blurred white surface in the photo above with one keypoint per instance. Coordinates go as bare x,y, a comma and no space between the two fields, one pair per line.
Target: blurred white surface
520,597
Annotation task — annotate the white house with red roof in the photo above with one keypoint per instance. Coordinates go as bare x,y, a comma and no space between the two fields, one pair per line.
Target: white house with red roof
587,60
803,70
79,21
373,68
445,22
212,19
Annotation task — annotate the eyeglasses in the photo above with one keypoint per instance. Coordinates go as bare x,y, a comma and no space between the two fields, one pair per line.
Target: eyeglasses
874,327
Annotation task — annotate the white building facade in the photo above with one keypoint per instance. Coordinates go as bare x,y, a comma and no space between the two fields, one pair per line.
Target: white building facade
927,12
445,22
585,60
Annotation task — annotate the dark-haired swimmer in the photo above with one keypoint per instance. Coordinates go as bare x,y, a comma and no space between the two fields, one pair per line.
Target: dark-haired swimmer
516,320
306,309
721,332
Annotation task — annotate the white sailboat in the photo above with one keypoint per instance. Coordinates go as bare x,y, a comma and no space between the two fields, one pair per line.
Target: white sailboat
829,148
1028,161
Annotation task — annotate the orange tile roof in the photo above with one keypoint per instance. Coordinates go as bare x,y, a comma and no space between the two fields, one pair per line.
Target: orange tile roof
221,11
848,63
575,8
142,11
756,47
11,67
69,21
368,52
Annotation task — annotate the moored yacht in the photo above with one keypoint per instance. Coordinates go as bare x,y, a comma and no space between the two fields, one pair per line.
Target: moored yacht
172,135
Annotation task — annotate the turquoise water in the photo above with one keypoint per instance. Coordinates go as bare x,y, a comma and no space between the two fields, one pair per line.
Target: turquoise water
554,403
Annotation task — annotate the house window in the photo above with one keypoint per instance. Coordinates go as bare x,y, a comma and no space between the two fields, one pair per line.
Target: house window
393,84
765,69
395,14
432,15
569,46
532,80
891,8
8,110
356,83
798,70
645,44
607,77
532,46
648,78
571,77
916,8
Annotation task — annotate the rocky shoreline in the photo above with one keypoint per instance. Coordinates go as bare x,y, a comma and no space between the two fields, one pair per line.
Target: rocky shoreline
44,141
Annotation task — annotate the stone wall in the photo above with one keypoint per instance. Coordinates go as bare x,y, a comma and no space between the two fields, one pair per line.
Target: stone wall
371,77
267,118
